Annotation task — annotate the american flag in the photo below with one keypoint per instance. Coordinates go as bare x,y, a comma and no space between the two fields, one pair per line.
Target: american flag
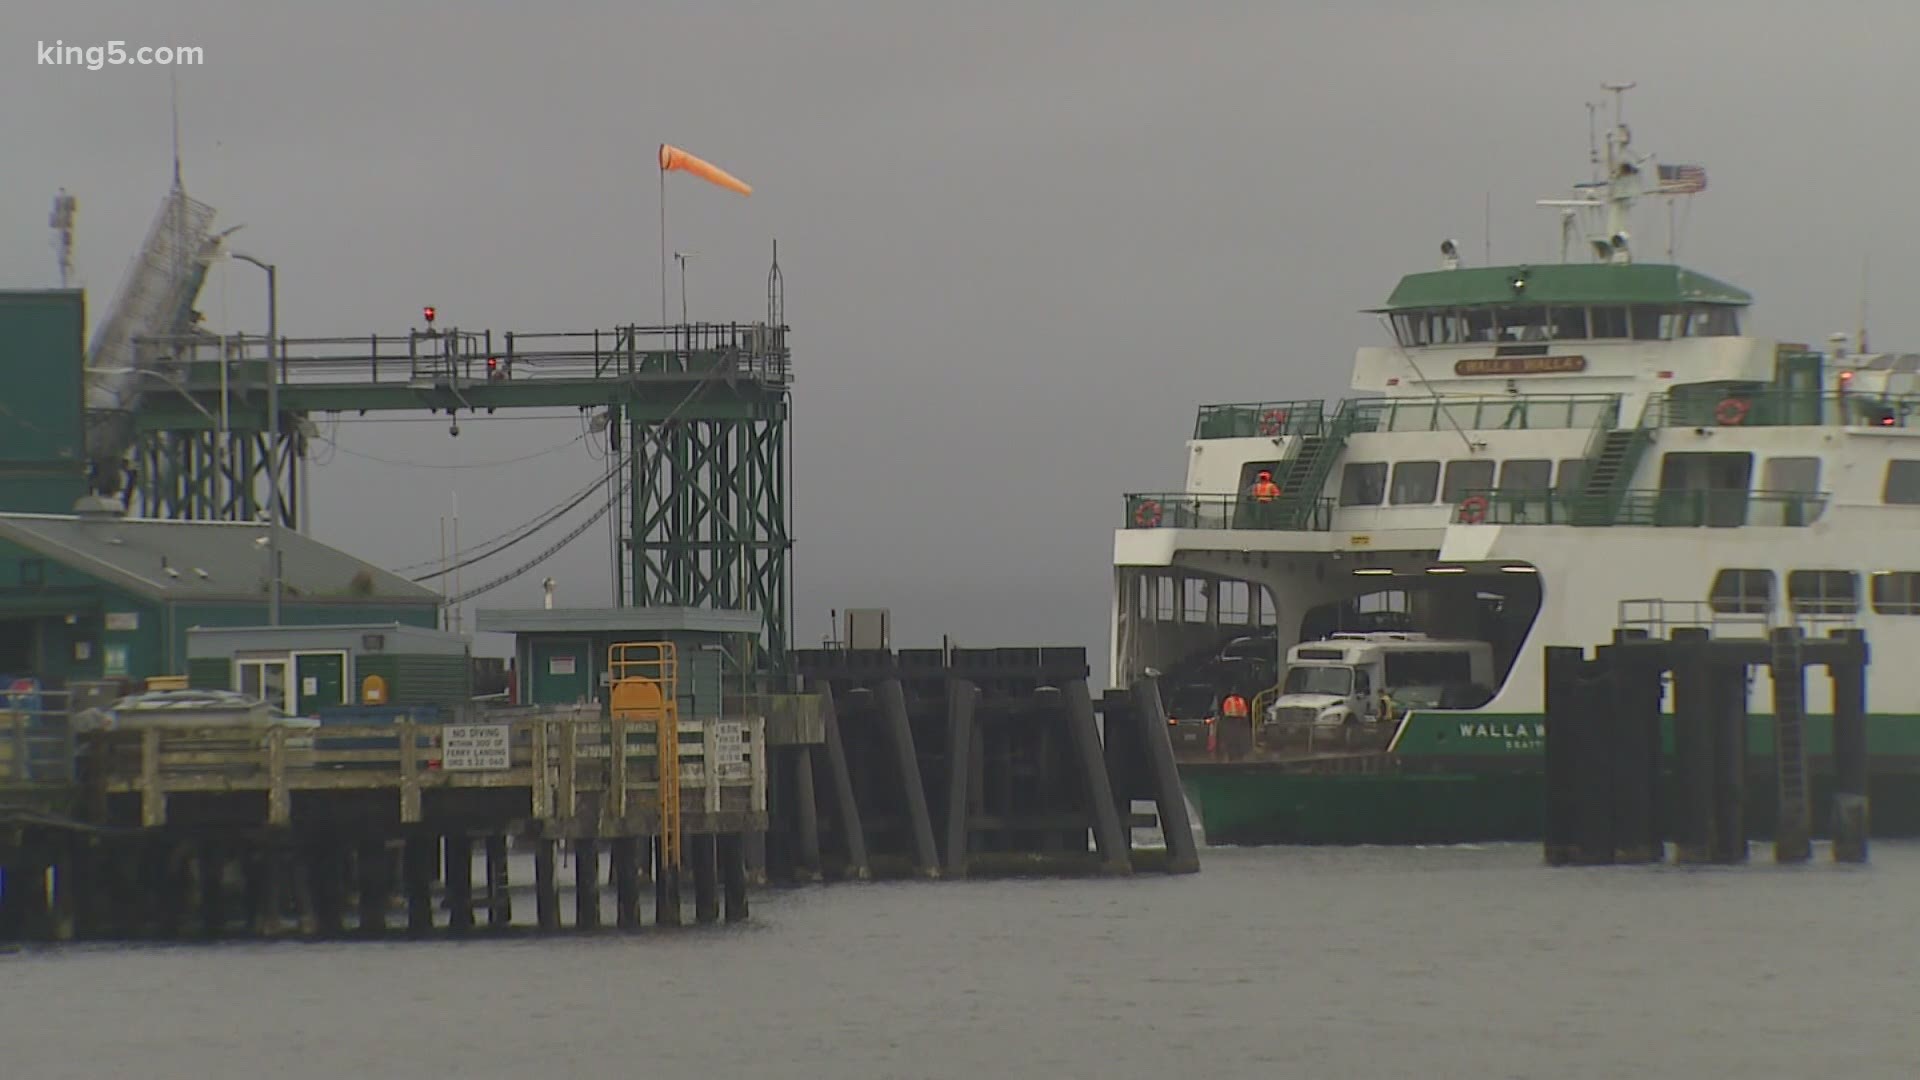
1682,179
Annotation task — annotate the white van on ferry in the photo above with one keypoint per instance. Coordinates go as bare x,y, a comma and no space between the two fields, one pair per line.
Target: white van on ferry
1346,687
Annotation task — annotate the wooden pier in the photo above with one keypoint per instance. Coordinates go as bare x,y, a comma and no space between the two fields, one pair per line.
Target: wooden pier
212,831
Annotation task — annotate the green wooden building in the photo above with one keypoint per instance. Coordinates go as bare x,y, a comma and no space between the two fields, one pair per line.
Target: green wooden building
97,595
303,669
560,655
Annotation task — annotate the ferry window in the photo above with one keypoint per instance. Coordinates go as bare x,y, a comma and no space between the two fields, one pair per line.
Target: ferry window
1363,483
1428,669
1609,322
1523,324
1443,327
1903,483
1742,592
1828,592
1526,474
1410,329
1573,476
1465,476
1414,482
1896,592
1714,322
1795,474
1479,325
1566,323
1646,322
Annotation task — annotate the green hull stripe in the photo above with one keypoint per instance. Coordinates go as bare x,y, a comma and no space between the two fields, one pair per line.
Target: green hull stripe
1522,736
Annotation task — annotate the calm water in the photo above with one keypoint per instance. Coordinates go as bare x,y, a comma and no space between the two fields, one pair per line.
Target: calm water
1350,963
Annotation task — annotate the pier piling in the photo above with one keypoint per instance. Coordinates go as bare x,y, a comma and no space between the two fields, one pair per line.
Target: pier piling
1793,821
893,711
546,885
459,882
586,883
962,696
1183,854
1850,820
706,879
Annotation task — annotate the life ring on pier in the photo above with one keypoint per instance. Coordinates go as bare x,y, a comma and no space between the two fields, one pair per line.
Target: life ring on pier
1147,514
1273,422
1473,510
1731,412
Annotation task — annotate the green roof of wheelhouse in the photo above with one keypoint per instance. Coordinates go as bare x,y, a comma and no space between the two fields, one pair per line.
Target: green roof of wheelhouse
1561,283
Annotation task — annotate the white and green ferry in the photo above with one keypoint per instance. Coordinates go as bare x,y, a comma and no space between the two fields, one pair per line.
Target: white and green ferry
1537,455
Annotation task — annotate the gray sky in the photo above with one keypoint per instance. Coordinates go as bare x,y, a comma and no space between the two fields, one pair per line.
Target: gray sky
1021,241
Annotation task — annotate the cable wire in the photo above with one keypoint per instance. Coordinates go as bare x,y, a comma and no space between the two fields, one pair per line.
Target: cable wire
463,464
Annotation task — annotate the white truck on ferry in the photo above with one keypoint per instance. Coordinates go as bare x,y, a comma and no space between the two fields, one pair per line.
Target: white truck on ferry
1348,688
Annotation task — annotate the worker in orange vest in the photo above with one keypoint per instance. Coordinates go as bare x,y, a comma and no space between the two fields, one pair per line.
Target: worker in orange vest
1264,489
1265,492
1235,719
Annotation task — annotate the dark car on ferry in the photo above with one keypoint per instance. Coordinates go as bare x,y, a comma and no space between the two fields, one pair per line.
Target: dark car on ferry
1193,713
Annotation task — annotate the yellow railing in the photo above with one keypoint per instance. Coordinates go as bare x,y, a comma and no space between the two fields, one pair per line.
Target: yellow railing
645,677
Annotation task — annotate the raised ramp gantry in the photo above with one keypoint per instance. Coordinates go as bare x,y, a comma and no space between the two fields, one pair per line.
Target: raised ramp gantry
696,412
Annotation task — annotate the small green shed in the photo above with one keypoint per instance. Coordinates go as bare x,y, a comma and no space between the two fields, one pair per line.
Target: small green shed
306,668
560,654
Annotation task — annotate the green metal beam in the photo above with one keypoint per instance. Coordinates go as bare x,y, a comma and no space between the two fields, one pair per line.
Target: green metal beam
703,504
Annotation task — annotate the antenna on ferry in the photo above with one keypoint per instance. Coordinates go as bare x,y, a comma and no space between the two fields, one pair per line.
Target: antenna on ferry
1866,264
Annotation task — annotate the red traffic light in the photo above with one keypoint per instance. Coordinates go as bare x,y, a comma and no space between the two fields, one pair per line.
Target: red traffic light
428,312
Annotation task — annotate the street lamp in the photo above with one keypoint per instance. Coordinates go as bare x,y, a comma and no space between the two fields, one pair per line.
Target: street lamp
275,445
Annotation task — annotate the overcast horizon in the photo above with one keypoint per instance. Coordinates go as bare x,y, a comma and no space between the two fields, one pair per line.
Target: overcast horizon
1020,244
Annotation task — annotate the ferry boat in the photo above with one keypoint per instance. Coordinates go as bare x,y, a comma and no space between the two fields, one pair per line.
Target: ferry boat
1536,455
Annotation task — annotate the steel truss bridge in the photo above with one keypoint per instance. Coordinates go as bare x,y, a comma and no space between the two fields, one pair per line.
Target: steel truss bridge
705,461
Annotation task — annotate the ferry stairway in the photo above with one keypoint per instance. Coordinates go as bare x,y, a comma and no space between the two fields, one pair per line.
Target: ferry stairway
1609,473
1306,474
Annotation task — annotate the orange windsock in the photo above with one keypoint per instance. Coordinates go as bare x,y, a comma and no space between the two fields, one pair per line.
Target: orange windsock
674,159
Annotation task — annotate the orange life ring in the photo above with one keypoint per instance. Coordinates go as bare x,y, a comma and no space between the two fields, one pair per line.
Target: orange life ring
1273,422
1731,412
1473,510
1147,514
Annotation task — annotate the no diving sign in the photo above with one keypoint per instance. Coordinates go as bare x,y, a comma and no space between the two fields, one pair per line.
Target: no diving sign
474,747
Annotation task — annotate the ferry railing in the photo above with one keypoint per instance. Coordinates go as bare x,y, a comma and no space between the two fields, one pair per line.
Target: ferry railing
1261,419
1506,412
1181,510
1731,617
1776,407
1659,509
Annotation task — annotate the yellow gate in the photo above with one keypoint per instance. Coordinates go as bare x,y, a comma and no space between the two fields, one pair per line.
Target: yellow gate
645,677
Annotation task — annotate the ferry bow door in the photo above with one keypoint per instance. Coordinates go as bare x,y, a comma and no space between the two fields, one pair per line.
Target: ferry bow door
319,681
